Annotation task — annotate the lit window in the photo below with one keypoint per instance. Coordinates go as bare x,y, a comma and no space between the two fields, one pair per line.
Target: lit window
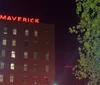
13,42
25,55
25,67
12,66
11,78
47,68
47,56
1,65
34,67
13,54
3,53
4,42
26,32
1,78
14,31
35,33
35,54
5,30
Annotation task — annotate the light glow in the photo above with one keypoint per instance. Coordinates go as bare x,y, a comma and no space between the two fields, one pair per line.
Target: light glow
19,19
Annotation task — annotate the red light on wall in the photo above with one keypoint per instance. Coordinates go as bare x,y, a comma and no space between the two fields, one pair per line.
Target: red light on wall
45,77
68,66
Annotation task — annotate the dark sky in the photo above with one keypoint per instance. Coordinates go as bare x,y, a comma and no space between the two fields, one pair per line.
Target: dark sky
58,12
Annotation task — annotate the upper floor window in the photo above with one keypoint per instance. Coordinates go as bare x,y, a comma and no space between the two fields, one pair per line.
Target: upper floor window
5,30
47,81
35,46
35,55
12,66
13,54
4,42
25,55
26,43
13,42
25,67
1,78
47,56
3,53
47,68
26,32
34,67
25,78
35,33
35,80
14,31
1,65
11,78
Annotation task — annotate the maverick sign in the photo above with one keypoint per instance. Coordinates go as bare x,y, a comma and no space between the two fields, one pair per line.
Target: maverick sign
19,19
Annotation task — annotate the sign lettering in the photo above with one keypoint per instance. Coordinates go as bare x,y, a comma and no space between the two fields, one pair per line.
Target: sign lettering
19,19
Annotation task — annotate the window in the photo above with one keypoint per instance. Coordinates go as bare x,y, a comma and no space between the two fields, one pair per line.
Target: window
35,33
25,55
14,31
1,65
26,32
26,43
25,67
13,54
35,46
47,68
35,80
47,46
13,42
3,53
34,67
47,81
12,66
5,30
1,78
47,56
11,78
35,54
4,42
25,78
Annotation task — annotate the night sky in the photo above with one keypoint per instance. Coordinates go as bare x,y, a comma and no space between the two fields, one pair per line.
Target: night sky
62,14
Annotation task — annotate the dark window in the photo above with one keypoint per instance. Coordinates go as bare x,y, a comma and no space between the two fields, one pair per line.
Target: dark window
35,55
34,67
26,43
47,81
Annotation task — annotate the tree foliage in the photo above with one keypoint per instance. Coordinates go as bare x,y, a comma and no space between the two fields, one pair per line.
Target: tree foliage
88,35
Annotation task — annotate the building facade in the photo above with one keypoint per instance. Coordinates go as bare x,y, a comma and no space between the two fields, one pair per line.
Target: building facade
27,54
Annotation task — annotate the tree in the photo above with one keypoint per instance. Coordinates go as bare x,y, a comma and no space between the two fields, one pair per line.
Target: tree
88,35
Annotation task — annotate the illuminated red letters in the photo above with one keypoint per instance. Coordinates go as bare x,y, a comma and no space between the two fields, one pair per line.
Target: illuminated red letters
3,17
19,18
32,20
14,18
9,18
22,19
36,20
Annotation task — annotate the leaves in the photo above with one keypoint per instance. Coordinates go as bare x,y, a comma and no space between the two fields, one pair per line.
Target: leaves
88,35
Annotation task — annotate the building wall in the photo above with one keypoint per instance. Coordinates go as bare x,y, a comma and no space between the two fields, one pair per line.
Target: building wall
45,34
